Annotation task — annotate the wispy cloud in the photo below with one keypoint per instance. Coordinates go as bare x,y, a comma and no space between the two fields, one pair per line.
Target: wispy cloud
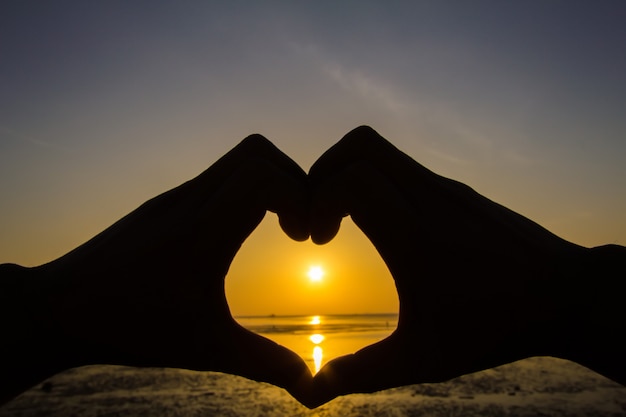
449,132
446,156
365,85
17,136
483,139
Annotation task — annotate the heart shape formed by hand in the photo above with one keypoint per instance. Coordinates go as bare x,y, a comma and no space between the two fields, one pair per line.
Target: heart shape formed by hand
324,222
477,283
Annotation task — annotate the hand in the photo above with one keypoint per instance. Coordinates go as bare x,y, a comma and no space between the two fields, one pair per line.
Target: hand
149,290
478,284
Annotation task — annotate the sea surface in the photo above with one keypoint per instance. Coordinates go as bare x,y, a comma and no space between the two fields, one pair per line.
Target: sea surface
320,338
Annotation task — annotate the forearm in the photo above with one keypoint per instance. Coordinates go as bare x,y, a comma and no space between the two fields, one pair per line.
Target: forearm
31,350
596,315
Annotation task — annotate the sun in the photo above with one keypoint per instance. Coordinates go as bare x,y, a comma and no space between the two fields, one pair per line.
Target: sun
315,274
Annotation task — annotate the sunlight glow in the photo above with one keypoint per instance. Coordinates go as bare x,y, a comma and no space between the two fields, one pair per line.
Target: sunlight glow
355,278
317,338
315,273
315,320
318,353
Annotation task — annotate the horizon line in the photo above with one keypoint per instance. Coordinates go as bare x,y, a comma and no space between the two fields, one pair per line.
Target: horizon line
311,315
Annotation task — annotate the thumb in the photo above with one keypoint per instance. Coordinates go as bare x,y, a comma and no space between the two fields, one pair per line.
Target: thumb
386,364
260,359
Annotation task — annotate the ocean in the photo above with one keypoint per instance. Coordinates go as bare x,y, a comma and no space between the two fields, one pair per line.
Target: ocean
318,339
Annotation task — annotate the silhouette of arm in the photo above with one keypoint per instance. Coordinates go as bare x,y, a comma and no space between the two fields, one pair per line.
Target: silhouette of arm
478,284
149,290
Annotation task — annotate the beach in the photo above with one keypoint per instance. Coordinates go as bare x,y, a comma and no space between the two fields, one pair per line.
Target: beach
532,387
540,386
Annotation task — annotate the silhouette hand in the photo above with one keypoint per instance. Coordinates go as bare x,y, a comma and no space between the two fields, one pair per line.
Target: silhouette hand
149,290
478,284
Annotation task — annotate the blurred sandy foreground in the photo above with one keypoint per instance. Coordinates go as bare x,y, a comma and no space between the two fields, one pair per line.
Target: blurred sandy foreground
533,387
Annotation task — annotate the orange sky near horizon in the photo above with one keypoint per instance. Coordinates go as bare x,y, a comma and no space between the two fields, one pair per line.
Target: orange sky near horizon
113,103
269,275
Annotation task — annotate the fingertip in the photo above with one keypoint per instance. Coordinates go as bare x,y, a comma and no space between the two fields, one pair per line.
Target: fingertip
291,202
323,237
296,229
323,232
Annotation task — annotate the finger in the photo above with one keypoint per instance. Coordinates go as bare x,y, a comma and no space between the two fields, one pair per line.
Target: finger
237,207
254,146
278,183
375,205
361,146
246,162
220,344
453,207
419,185
365,144
260,359
395,361
407,241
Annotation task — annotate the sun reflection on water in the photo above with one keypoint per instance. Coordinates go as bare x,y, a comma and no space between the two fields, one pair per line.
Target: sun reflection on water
320,338
316,339
318,354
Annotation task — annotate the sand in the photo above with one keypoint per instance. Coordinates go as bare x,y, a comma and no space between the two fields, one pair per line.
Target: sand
533,387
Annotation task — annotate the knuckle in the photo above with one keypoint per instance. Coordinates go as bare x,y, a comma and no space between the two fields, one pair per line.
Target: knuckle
256,143
255,139
258,147
362,137
361,144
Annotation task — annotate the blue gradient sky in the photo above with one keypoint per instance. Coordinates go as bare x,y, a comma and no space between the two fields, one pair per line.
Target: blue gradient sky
106,104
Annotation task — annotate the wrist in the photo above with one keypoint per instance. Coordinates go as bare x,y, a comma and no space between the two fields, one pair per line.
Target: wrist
34,347
592,316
